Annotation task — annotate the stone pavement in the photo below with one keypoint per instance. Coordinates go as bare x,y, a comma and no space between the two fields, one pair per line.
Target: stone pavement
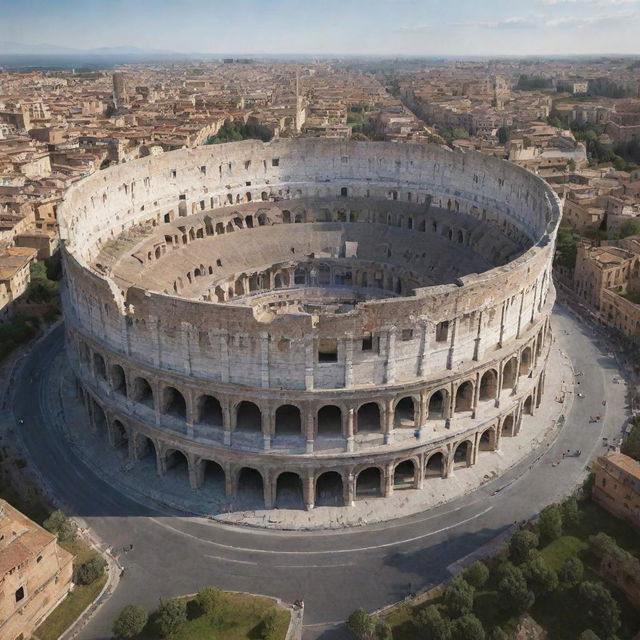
141,482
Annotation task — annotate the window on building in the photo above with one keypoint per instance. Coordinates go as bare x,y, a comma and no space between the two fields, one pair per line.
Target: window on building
328,350
275,162
20,594
407,334
367,341
442,331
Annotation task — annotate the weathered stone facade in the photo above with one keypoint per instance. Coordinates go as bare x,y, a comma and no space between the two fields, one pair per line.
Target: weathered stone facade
340,318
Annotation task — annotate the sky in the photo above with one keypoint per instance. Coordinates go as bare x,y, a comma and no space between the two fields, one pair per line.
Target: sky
357,27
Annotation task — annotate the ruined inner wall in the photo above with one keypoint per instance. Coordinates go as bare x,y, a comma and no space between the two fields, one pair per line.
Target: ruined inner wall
446,348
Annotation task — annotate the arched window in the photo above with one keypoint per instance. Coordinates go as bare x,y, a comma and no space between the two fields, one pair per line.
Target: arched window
369,418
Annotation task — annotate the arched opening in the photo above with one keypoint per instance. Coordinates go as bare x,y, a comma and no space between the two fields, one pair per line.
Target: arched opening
120,435
329,422
264,196
118,380
368,483
144,448
286,216
404,416
248,417
143,393
324,274
250,486
329,490
509,374
209,411
437,405
277,281
435,466
507,426
462,455
404,476
488,440
460,237
300,276
527,407
369,418
525,362
464,397
173,403
176,464
213,475
288,421
99,418
99,366
489,385
289,491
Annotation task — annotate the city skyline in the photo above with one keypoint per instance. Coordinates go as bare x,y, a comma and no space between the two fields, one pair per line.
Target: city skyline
352,27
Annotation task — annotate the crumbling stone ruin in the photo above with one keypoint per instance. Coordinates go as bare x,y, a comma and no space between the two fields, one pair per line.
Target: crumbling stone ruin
338,319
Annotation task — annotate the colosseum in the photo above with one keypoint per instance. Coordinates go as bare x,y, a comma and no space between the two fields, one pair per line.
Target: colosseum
327,319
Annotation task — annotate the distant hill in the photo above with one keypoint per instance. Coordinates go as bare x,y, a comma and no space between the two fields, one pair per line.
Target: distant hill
40,49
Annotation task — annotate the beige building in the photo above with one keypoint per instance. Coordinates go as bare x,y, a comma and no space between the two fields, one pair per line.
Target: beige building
35,573
15,275
617,486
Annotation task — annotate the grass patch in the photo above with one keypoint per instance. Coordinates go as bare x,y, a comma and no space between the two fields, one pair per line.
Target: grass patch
242,619
560,550
67,612
402,619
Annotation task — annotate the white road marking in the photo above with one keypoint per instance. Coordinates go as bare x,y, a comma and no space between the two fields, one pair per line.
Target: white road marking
395,543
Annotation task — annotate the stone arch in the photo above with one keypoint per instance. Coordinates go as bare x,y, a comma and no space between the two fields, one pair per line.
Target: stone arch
527,406
464,397
329,490
173,403
118,380
404,414
143,447
437,404
176,462
487,441
286,216
368,418
84,353
277,281
525,361
462,454
248,417
369,483
300,276
404,475
509,372
289,493
99,417
329,421
143,393
507,426
250,486
489,385
99,366
288,421
119,434
209,411
460,236
435,465
213,474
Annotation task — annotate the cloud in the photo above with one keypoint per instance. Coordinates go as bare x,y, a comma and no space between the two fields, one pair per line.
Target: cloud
545,21
593,20
414,28
508,23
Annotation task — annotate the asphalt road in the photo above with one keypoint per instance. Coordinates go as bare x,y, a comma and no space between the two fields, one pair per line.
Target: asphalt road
334,572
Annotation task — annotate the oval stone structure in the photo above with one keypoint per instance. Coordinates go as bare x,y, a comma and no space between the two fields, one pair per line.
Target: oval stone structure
310,319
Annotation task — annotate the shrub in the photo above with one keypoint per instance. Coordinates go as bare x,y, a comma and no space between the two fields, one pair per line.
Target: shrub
514,591
383,631
521,543
601,608
90,571
130,622
458,598
172,614
270,626
360,623
572,571
209,599
433,624
542,579
477,574
570,512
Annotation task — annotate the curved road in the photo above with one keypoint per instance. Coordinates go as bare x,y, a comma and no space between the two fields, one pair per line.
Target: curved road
334,572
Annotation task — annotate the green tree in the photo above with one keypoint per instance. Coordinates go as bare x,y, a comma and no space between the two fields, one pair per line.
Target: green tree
458,598
503,135
360,623
570,512
498,634
587,634
630,228
572,571
550,522
209,600
631,444
467,627
90,571
514,592
172,614
59,524
459,133
602,610
383,630
571,164
476,574
130,622
270,629
521,543
433,624
541,578
41,289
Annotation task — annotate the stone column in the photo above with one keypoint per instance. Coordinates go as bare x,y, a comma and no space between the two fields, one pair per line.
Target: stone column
191,413
264,359
387,481
419,473
309,361
348,418
161,460
269,490
349,489
422,410
520,314
268,422
309,491
477,351
348,361
517,379
229,481
452,346
390,374
426,339
196,473
387,425
476,396
309,428
227,424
